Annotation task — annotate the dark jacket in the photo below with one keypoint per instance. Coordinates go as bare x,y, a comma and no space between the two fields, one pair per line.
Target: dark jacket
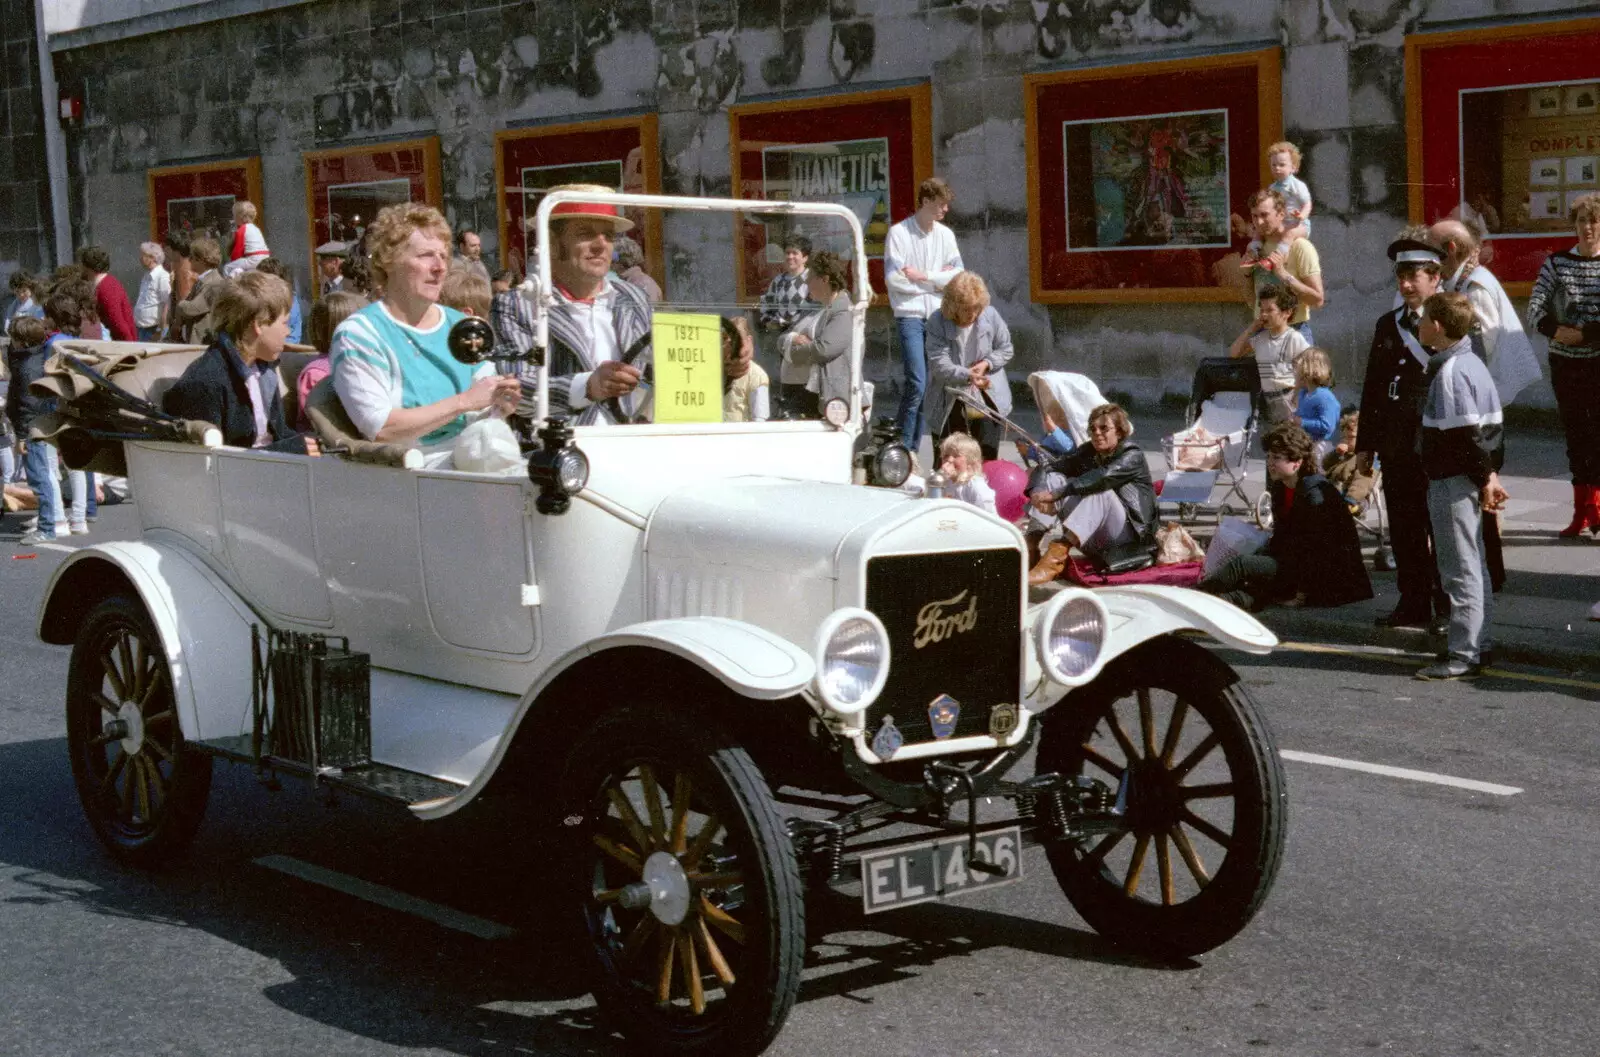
213,390
1125,472
1392,394
22,407
1314,540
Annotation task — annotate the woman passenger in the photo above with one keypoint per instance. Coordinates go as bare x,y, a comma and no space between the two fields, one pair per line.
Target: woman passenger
392,365
1103,494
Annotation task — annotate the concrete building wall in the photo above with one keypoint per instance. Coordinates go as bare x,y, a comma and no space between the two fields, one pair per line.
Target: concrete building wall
24,186
302,76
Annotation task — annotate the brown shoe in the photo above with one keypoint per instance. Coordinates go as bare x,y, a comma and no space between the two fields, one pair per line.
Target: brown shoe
1051,565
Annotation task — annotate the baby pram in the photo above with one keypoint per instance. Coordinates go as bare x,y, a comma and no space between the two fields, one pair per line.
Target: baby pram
1214,450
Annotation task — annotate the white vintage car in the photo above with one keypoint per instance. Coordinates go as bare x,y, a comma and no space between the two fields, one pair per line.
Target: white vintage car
716,669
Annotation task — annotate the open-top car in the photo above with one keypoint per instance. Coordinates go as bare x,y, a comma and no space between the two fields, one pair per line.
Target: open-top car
714,667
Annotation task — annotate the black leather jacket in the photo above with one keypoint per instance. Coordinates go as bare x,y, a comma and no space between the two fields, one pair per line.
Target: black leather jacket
1123,471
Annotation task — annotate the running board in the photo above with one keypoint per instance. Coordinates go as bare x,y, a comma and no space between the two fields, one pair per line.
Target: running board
375,780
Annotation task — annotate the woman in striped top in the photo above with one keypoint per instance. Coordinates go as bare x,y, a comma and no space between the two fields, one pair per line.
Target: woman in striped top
1565,307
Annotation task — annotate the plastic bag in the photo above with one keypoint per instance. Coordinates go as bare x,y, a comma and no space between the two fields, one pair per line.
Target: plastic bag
1196,449
488,446
1174,545
1234,537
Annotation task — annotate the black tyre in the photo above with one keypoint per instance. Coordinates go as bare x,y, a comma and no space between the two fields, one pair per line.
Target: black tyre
143,789
1205,795
664,808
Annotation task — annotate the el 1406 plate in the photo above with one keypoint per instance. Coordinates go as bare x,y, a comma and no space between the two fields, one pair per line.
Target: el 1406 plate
937,869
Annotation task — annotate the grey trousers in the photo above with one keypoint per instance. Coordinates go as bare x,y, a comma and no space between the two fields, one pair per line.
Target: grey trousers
1097,521
1463,570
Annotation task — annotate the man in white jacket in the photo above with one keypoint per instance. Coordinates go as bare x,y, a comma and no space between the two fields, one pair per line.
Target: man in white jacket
920,259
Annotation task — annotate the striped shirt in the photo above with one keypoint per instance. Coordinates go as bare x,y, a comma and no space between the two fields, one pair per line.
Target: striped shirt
1567,293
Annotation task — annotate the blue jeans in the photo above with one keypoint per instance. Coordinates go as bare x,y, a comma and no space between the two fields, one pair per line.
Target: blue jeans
1305,331
147,333
915,361
40,464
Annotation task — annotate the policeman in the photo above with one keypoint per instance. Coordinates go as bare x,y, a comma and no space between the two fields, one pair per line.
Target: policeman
1391,427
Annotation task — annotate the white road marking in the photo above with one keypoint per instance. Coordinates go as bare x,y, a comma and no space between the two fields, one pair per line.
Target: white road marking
1401,772
387,897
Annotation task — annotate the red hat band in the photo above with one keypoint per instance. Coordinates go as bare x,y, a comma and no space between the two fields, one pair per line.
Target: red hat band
587,209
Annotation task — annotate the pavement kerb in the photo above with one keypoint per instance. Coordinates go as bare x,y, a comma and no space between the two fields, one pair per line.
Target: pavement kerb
1324,627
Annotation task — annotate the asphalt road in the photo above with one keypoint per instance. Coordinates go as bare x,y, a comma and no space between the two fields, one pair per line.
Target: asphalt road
1409,918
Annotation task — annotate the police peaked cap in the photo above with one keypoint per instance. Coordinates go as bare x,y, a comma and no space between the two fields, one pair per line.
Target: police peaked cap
1414,251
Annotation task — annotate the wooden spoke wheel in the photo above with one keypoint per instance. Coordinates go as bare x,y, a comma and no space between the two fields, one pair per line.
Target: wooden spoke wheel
1206,801
690,894
144,791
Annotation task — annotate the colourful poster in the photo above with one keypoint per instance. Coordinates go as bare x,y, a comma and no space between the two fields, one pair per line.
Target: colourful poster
853,173
1152,181
688,366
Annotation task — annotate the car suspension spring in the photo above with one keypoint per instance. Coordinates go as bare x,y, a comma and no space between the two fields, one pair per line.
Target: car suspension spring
819,847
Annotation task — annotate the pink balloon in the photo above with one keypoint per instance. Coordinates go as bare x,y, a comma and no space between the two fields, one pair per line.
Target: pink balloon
1010,484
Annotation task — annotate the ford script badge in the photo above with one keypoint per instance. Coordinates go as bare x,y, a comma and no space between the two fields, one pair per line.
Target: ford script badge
888,740
943,713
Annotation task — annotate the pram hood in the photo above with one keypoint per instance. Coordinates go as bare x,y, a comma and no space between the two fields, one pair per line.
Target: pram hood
1067,398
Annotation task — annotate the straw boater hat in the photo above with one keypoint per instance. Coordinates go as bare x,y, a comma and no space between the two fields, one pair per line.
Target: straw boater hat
604,211
334,249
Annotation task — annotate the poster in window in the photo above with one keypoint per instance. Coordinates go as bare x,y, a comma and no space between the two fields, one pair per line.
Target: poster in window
866,151
1139,176
620,153
854,173
1153,181
1503,123
199,198
1544,172
346,188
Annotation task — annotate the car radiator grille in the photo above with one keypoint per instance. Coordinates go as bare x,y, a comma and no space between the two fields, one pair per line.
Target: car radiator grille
941,643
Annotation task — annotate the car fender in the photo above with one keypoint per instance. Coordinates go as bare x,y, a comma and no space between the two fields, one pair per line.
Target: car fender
203,625
1143,612
751,661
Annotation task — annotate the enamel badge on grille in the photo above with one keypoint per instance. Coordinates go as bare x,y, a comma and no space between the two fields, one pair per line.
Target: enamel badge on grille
888,740
943,713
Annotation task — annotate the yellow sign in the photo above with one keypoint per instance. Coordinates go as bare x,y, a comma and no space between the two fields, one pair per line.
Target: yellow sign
688,366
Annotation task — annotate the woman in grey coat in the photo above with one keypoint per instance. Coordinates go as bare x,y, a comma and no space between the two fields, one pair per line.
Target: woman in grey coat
827,347
968,347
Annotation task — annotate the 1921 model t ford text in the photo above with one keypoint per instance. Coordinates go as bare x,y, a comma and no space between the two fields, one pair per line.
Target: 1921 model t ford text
714,669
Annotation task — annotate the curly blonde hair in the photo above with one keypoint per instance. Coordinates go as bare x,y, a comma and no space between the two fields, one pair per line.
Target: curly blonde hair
392,229
966,291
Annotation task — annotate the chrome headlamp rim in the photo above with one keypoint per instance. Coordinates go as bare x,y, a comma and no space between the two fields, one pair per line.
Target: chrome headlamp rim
819,653
880,475
1043,626
570,471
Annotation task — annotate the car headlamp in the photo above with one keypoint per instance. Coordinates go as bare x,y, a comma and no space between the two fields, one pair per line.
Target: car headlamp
852,658
891,465
559,469
836,413
1070,636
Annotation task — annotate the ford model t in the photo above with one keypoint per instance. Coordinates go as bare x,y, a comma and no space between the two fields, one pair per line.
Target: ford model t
715,667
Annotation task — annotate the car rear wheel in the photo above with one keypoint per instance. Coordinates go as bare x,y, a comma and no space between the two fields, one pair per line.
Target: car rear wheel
688,887
143,789
1205,800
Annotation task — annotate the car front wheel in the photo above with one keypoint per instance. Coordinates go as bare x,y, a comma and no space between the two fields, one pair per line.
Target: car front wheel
1171,727
688,888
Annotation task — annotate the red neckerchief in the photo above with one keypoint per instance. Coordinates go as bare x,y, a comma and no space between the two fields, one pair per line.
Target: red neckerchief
570,296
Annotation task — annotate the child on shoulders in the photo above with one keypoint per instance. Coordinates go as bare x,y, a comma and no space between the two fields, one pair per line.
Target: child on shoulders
1283,158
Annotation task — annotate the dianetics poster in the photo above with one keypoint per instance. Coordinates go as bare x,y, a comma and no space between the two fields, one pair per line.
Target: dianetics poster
852,173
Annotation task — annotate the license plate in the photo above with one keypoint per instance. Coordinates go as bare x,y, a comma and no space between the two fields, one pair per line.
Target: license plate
937,869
